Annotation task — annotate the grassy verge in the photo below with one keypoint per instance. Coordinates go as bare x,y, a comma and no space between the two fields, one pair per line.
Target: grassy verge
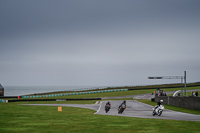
36,119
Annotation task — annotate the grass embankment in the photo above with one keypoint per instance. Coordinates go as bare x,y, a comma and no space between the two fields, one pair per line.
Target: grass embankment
36,119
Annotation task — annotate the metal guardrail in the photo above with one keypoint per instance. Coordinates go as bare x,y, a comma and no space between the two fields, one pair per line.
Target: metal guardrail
49,99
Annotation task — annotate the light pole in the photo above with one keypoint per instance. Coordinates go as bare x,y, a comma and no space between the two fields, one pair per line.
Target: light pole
172,77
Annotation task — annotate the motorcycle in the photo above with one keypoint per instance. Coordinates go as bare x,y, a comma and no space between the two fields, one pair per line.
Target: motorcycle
107,108
121,109
158,111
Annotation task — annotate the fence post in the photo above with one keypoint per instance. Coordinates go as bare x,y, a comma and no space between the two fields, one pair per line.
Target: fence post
168,100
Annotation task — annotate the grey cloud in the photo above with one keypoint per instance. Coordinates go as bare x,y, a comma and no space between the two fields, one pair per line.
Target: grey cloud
83,15
98,42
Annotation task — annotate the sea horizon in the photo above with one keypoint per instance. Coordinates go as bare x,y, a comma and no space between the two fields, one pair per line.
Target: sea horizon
28,90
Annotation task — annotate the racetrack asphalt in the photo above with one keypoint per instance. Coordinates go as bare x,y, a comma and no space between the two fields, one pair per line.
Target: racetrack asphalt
133,109
141,110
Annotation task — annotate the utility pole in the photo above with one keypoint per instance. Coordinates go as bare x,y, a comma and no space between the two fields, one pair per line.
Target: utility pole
185,81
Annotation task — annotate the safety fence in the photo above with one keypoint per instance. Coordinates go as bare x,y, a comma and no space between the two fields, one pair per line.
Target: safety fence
191,102
75,93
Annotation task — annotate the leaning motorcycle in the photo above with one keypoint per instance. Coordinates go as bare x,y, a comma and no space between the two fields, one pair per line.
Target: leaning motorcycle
121,109
158,111
107,108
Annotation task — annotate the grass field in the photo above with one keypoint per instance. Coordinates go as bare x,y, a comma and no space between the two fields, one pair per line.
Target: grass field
35,119
15,118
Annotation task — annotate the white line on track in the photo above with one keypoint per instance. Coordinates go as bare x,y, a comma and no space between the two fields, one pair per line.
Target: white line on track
99,108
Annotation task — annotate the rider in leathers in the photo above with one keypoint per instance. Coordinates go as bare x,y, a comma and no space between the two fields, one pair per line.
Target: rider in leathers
108,103
159,103
124,103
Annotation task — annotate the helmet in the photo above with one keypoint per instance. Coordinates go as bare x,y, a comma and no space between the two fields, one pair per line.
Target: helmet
124,101
161,101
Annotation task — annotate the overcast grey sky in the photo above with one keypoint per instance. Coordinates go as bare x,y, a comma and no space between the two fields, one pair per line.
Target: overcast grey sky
98,42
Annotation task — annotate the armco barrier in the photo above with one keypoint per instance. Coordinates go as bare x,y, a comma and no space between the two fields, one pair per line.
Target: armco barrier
9,96
76,93
26,100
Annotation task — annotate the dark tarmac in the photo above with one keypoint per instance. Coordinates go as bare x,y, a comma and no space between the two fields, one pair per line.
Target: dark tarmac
133,109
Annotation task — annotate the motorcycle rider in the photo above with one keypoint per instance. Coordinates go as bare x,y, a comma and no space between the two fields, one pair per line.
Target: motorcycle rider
108,103
107,106
158,110
159,103
123,104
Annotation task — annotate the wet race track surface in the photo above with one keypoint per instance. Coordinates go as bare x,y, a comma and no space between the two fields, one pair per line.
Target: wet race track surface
141,110
133,109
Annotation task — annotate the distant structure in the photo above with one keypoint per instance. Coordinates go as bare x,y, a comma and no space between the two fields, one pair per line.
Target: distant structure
1,90
173,77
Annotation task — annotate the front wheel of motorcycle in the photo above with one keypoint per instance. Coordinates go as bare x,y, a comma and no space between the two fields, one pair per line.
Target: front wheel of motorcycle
119,112
160,112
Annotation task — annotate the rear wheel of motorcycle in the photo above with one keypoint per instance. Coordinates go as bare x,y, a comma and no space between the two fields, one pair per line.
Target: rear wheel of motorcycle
153,113
120,111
